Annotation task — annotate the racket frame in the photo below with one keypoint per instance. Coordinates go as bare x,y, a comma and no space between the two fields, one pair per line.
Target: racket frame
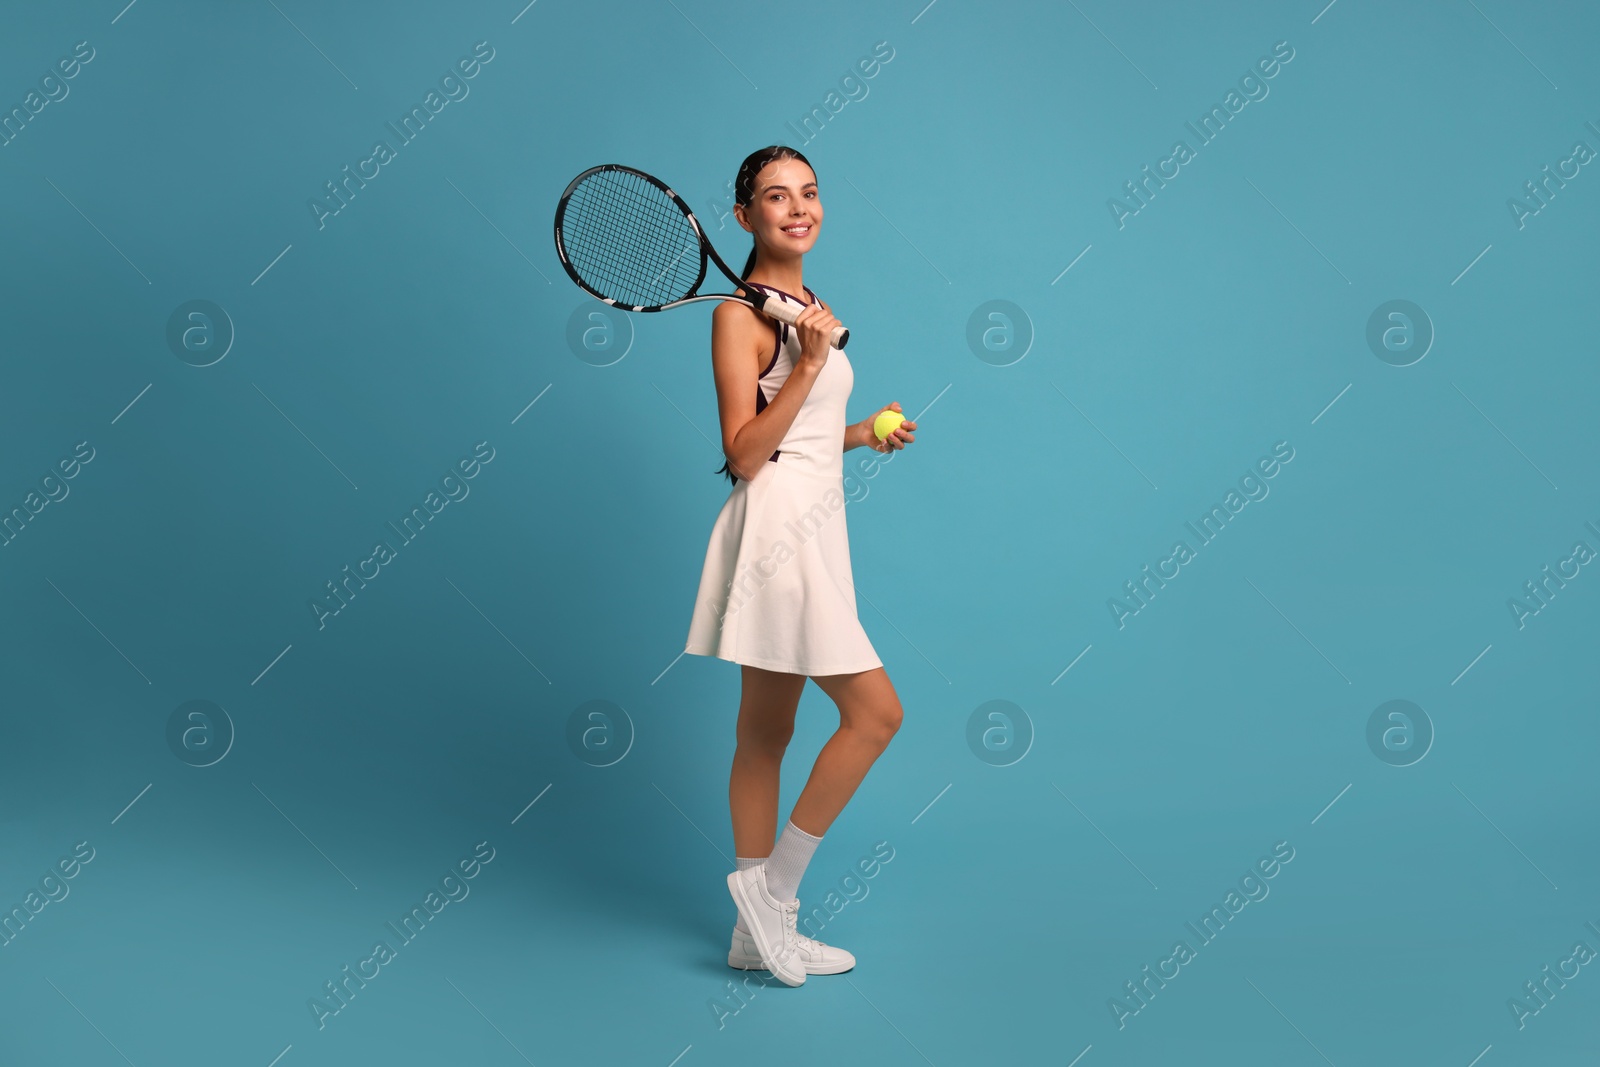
755,298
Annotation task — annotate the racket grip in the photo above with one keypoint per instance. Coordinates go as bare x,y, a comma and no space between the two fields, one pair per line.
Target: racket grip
788,313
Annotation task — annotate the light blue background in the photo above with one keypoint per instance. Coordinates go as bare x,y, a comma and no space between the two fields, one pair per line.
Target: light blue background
1228,715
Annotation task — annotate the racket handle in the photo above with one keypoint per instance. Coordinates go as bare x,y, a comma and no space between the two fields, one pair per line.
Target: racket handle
788,313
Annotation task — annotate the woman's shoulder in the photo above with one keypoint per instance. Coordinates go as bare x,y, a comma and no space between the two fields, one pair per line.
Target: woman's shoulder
741,327
734,313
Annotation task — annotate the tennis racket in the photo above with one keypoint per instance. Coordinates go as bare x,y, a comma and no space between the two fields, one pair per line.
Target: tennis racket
629,240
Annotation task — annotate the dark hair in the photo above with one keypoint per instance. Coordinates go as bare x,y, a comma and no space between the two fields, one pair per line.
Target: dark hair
743,193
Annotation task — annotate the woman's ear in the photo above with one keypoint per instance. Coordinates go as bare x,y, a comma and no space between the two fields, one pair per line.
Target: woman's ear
738,214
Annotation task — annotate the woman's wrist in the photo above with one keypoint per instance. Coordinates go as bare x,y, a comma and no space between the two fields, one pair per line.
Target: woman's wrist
855,435
810,363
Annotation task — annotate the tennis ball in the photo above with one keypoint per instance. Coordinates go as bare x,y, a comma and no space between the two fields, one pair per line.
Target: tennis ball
886,423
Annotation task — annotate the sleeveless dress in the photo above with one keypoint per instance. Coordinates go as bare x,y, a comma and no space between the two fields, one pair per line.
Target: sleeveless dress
776,590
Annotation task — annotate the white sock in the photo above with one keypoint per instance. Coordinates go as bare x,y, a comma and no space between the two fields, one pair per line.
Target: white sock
744,862
787,864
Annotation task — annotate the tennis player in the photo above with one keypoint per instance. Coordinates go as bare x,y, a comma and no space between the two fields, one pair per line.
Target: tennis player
776,591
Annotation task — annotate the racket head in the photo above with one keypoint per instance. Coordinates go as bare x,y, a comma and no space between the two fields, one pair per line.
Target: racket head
627,239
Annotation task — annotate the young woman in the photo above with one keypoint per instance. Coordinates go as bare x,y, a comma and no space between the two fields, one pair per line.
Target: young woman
776,592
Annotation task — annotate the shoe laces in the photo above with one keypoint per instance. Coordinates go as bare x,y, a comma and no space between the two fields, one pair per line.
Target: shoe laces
791,936
810,944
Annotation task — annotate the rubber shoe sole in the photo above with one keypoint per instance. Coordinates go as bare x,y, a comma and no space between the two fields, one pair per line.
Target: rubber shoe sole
826,959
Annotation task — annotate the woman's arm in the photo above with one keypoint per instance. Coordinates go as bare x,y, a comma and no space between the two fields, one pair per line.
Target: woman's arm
741,343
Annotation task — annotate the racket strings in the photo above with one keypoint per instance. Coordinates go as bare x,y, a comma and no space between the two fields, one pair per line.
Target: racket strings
629,241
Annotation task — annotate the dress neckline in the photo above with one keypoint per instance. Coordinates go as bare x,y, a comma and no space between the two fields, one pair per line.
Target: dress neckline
791,296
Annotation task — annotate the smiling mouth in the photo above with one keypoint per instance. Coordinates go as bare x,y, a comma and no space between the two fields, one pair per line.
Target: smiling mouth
798,231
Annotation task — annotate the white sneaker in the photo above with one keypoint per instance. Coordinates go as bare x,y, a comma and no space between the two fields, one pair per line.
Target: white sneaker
771,923
818,957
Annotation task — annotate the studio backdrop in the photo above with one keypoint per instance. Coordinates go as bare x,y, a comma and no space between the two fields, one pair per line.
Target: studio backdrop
1237,588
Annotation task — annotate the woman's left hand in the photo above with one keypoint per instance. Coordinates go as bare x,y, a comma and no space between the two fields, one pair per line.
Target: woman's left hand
898,438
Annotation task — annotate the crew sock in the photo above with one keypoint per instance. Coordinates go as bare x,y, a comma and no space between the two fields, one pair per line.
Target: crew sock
743,863
787,864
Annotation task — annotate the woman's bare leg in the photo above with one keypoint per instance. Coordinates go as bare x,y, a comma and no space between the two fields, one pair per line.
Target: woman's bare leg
767,704
869,715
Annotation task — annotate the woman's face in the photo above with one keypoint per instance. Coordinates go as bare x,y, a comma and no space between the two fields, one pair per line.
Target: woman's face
785,211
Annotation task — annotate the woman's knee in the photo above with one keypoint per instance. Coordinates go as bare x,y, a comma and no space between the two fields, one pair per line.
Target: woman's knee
766,711
765,738
884,722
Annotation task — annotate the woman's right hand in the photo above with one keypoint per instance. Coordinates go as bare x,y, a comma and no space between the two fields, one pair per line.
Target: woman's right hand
815,326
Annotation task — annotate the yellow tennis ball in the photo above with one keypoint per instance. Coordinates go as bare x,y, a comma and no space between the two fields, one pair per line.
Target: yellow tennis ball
886,423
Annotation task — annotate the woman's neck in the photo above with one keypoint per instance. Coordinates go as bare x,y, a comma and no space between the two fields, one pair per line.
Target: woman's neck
780,275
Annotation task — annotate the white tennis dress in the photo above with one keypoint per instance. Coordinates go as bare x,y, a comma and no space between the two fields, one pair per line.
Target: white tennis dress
776,591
